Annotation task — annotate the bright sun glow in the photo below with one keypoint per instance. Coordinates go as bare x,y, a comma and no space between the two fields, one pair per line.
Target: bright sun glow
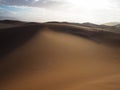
91,4
94,11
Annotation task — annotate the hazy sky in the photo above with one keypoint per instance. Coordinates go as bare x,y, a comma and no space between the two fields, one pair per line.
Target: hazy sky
95,11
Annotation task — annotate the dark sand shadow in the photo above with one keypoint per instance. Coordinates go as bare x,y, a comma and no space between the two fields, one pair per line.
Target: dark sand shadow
12,38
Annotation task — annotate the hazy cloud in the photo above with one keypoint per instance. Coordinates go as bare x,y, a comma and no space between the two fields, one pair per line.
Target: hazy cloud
34,3
116,2
48,3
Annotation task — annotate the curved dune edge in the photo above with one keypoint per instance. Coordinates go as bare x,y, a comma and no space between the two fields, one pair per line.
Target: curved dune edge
57,61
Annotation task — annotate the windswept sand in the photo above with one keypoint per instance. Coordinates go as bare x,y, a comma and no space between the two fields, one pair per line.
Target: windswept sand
57,61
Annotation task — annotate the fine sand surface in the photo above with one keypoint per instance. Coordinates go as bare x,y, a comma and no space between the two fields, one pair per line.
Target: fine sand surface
57,61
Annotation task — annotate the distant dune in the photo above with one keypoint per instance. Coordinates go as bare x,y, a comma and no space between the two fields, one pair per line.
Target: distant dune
10,23
112,23
59,56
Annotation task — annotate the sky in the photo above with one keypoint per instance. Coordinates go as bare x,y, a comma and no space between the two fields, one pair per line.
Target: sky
79,11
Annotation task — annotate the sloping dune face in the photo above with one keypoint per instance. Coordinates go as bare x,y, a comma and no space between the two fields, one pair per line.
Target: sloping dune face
57,61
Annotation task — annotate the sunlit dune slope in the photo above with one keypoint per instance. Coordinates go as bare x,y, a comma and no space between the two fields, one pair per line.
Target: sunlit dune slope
97,35
52,60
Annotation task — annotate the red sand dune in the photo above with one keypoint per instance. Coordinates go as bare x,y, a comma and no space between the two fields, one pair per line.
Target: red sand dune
53,60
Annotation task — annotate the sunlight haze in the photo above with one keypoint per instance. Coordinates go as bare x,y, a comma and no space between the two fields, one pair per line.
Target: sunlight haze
95,11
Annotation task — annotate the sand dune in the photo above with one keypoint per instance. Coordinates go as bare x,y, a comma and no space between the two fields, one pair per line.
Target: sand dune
10,24
59,61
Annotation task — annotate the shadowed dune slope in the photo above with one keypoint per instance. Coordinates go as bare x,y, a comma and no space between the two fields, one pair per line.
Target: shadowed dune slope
12,38
59,61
